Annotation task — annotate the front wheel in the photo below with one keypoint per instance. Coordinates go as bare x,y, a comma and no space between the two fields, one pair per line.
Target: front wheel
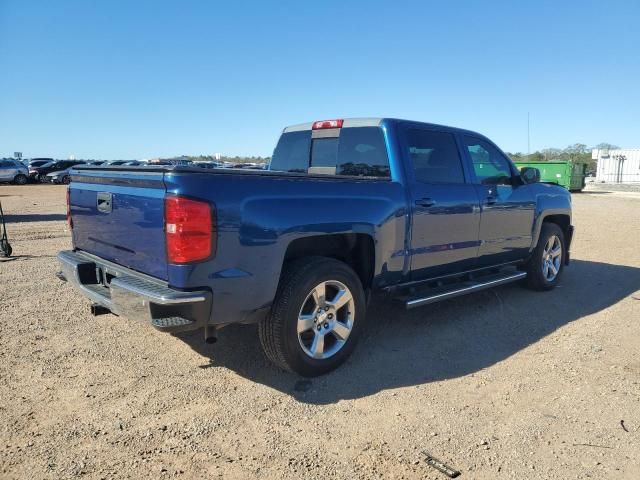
546,262
20,179
316,318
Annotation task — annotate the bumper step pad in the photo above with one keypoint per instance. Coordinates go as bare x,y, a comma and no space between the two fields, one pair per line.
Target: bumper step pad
171,322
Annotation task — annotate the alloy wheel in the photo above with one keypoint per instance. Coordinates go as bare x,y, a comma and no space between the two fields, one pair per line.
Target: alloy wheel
552,258
326,319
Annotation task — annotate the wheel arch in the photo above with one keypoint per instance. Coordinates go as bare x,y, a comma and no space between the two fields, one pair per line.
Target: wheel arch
355,249
560,217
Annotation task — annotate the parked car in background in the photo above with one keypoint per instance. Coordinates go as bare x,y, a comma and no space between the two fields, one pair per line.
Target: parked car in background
208,164
61,176
38,174
349,208
13,171
39,162
35,164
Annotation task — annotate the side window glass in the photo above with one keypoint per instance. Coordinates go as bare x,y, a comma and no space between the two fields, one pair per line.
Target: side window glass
434,156
362,152
489,165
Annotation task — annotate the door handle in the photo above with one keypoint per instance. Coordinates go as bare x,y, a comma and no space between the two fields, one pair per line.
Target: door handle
491,200
425,202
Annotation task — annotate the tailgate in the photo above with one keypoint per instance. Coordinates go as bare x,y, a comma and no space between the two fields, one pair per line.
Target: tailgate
119,216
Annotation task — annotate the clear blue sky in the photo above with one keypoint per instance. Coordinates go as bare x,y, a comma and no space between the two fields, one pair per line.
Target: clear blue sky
136,79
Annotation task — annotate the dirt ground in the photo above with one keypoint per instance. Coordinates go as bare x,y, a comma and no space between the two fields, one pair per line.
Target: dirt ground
505,383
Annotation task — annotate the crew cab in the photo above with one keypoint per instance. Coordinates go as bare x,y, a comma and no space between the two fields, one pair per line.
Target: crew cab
348,208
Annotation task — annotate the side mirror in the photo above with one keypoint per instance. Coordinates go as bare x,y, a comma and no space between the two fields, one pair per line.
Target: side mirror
529,175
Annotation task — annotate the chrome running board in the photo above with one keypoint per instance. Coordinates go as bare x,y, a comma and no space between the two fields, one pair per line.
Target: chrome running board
451,291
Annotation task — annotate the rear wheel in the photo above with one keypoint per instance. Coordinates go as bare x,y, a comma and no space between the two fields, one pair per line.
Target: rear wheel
20,179
545,266
316,318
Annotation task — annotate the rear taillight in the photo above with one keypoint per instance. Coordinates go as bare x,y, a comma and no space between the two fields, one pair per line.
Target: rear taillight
69,221
188,230
327,124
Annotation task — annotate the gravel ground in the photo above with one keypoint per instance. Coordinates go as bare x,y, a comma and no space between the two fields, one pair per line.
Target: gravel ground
506,383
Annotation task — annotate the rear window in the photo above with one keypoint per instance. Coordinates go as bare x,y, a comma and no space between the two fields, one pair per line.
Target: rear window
292,152
324,152
358,151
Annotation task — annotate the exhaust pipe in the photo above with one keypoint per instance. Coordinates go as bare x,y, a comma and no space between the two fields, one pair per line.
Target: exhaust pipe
210,334
97,309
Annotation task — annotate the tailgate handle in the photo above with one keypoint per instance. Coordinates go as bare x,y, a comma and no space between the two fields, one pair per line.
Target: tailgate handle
104,202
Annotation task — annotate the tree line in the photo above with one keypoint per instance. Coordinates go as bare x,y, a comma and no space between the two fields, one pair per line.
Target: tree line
578,153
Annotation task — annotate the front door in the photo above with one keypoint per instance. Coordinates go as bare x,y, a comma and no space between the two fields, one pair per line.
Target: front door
508,207
444,206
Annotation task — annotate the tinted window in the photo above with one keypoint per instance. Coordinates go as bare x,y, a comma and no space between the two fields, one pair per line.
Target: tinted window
435,157
292,152
358,151
362,152
5,164
489,165
324,152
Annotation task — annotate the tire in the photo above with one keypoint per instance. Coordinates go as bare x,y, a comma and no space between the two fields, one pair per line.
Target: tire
66,180
328,334
543,261
20,179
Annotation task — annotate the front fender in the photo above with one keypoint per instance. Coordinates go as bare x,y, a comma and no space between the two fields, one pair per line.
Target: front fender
550,200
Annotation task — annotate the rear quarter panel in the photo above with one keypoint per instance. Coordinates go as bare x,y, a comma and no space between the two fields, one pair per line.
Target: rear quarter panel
259,216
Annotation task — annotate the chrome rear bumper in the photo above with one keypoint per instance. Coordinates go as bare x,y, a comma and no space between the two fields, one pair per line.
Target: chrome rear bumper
134,295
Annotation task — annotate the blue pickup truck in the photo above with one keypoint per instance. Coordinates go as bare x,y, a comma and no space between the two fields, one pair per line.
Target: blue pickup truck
348,208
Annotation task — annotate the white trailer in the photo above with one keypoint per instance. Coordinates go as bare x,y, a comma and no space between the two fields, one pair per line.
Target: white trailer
617,166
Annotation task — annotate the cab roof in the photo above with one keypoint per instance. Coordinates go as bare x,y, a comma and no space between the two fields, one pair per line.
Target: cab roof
377,122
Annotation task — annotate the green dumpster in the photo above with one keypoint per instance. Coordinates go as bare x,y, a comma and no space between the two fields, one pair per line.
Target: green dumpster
562,172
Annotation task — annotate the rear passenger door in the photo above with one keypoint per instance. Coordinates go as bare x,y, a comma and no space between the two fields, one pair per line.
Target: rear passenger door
444,204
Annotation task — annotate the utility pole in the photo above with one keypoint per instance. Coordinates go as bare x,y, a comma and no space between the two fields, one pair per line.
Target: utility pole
528,136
